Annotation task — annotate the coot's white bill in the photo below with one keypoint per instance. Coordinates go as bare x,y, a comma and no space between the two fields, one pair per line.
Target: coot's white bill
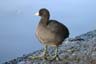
37,14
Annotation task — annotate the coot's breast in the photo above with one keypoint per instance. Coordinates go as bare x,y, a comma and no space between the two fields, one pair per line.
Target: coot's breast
44,34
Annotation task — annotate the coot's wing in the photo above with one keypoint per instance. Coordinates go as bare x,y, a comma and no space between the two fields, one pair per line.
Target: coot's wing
61,32
56,27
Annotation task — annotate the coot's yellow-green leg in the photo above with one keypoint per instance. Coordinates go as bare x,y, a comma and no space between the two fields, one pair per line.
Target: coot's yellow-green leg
56,56
45,52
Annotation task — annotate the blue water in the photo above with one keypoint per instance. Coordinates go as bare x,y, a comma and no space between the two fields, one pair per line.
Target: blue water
18,23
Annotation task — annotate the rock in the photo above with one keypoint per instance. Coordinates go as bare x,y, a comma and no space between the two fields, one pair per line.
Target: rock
78,50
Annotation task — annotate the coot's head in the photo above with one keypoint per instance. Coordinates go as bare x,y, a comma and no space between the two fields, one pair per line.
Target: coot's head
43,13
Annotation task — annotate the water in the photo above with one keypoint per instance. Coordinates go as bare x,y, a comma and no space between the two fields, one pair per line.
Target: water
18,23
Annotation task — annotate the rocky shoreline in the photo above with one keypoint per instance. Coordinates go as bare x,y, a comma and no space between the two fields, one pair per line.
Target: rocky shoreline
78,50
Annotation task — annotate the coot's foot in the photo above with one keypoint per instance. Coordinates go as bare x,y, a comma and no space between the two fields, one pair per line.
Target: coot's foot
56,57
43,56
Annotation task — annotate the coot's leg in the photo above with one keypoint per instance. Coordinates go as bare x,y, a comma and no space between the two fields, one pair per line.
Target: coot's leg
56,56
45,52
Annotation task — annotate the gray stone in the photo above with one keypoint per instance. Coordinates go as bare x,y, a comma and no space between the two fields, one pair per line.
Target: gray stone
78,50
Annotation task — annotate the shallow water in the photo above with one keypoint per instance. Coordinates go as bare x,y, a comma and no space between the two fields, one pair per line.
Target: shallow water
18,23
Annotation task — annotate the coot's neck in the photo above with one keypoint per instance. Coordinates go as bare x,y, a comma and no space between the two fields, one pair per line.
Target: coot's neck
44,21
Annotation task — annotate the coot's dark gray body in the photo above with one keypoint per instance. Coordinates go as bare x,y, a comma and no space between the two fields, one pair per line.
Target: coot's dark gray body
50,32
53,33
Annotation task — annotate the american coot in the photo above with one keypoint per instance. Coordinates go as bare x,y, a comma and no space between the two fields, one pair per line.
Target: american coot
50,32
